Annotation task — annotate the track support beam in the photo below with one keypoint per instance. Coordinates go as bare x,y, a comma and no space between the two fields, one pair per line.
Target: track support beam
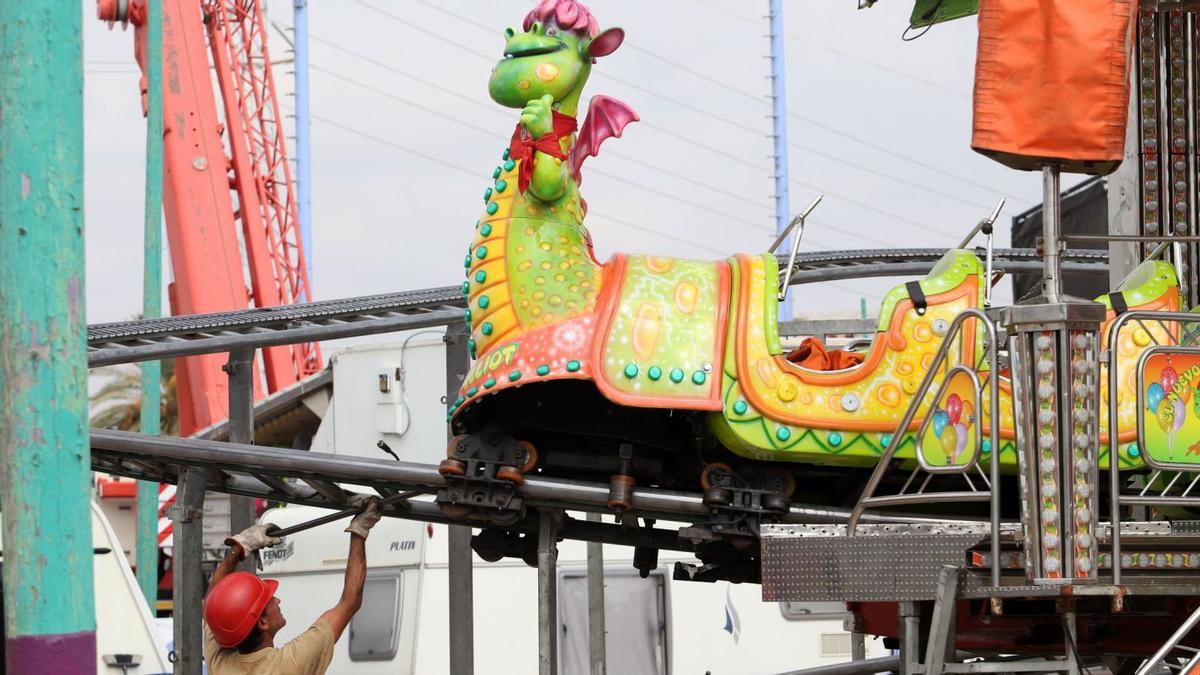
188,514
461,572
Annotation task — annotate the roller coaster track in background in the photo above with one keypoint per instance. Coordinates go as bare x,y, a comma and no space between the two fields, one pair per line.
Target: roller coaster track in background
153,339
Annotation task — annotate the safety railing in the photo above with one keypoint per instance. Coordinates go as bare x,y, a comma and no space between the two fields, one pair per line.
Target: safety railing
988,491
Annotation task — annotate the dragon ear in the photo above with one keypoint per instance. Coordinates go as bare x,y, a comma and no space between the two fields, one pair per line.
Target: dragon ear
605,43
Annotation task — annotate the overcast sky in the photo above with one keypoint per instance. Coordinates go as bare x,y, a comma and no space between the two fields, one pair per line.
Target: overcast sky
405,139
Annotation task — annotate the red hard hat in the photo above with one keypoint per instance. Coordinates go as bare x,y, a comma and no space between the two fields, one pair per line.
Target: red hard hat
234,605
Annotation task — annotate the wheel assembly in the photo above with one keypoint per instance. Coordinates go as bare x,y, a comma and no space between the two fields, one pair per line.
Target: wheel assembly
717,496
452,467
713,474
511,474
525,449
620,492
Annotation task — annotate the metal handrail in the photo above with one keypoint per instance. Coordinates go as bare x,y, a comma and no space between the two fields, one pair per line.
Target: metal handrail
798,220
986,226
1114,463
881,467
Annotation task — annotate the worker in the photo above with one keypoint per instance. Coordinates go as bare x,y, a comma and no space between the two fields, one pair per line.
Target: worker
242,615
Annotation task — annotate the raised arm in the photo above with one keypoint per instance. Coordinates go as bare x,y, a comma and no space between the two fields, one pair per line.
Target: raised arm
356,570
227,565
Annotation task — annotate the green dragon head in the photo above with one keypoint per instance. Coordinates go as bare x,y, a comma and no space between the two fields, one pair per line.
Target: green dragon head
553,54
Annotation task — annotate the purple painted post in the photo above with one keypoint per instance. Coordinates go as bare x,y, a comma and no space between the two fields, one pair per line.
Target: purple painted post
45,462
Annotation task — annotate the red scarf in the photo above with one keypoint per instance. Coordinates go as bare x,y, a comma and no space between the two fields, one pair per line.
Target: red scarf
523,145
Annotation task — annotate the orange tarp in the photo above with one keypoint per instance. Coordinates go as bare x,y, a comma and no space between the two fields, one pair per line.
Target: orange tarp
1052,83
812,354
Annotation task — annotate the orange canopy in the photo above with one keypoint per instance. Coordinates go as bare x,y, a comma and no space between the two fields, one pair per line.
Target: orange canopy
1052,83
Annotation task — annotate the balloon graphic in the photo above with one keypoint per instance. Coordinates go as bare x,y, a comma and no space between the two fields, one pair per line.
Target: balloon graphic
954,408
1168,378
968,412
940,420
950,443
960,430
1165,417
1179,418
1154,396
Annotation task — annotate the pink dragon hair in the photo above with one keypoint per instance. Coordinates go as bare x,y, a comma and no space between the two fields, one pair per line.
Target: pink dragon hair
568,14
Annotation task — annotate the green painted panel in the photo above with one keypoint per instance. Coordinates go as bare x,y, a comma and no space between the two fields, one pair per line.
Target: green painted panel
949,272
662,341
1147,282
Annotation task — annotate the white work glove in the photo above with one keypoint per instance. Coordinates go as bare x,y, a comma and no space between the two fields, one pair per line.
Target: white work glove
253,538
363,522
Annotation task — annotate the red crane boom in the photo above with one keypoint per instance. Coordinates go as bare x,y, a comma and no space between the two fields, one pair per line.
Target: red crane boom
223,177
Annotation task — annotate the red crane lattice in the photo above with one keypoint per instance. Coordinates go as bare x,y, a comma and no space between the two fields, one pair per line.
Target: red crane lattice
260,176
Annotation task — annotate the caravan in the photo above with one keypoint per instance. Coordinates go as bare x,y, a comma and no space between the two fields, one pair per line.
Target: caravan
655,625
392,392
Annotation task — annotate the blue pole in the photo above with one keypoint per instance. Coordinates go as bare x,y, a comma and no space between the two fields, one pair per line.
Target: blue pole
779,122
303,146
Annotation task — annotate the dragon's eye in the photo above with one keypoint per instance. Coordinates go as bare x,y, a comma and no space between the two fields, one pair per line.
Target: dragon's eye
550,31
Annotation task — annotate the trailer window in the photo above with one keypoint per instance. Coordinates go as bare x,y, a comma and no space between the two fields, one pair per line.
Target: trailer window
375,629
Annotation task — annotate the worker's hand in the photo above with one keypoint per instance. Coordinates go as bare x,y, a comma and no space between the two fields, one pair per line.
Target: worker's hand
252,539
364,521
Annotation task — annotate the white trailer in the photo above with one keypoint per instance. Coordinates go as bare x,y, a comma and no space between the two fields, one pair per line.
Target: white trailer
653,626
394,392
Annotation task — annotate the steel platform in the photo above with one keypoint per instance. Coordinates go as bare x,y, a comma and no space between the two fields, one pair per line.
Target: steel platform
900,562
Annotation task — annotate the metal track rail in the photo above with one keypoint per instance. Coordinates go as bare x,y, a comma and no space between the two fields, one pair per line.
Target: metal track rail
349,309
814,267
133,341
303,477
192,342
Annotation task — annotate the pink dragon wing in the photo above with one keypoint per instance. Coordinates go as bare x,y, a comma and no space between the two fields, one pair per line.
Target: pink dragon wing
606,117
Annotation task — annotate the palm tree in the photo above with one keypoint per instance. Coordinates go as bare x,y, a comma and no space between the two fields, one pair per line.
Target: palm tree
117,404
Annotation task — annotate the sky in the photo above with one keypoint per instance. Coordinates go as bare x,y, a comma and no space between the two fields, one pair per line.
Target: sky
405,139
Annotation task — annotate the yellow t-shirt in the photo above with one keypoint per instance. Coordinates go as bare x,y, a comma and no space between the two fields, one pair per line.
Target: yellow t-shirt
308,654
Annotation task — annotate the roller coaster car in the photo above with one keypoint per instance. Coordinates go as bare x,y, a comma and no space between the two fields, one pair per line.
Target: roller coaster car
676,372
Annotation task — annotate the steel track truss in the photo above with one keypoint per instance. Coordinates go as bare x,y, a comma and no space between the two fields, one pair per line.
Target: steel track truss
312,478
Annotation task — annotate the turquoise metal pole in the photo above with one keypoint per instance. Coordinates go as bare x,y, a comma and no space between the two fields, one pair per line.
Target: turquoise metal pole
151,423
45,463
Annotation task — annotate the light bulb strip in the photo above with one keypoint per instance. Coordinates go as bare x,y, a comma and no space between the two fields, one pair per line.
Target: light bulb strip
1046,407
